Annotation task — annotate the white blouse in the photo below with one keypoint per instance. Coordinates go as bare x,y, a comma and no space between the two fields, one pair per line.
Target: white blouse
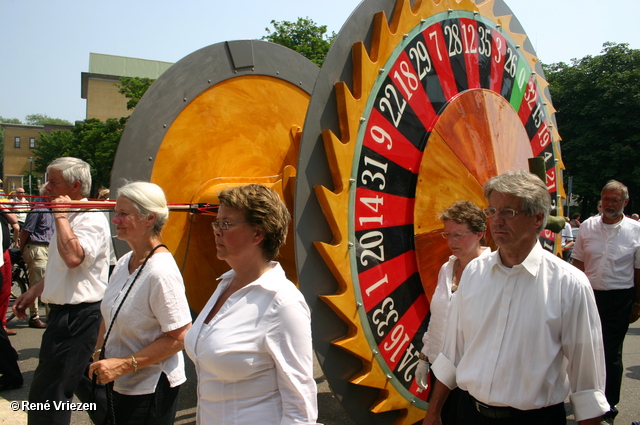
156,304
433,338
254,359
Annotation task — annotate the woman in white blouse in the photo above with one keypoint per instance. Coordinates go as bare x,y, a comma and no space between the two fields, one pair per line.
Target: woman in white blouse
464,229
143,348
251,344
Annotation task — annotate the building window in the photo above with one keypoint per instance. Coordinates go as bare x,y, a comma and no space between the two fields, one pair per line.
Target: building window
16,143
32,142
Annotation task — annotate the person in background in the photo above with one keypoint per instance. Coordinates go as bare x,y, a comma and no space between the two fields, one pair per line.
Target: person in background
608,251
10,375
104,194
74,284
8,225
566,237
251,344
35,237
575,220
143,351
523,330
21,214
464,229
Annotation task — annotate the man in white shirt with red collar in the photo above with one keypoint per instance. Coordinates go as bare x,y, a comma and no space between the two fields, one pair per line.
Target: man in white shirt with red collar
74,285
608,251
523,332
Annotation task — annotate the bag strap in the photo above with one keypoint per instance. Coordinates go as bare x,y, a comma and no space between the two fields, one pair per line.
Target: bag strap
106,336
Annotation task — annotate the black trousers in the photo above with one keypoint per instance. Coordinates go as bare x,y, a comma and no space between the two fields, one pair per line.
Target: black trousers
158,408
614,308
67,345
469,415
9,368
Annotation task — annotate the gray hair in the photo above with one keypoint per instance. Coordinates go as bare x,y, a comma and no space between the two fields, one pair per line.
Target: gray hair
616,185
148,198
74,169
533,194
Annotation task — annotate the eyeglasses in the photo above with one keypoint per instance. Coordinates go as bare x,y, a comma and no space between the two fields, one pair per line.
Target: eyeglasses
506,213
612,201
454,236
224,225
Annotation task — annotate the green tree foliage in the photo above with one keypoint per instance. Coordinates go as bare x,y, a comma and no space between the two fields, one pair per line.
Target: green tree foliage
93,141
42,119
598,104
133,88
303,36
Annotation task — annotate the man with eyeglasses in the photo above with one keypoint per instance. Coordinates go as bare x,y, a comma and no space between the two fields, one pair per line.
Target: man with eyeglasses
608,251
524,332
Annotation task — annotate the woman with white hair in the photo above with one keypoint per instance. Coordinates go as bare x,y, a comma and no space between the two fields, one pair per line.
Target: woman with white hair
145,315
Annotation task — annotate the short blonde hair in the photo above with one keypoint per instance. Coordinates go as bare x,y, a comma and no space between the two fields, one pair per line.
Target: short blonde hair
264,210
466,212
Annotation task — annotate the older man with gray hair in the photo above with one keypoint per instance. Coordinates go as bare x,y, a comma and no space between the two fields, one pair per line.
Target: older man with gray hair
73,286
523,332
608,251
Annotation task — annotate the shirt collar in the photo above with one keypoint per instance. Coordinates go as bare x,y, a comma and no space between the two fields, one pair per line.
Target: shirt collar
614,225
530,264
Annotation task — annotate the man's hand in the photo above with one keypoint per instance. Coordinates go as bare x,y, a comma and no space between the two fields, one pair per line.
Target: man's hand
25,300
432,419
63,199
635,312
422,374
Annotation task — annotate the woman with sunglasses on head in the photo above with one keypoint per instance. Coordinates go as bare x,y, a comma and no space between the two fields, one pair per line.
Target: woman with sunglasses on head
251,344
464,229
145,315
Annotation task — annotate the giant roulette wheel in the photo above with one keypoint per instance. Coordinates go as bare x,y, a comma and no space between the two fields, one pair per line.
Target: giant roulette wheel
416,106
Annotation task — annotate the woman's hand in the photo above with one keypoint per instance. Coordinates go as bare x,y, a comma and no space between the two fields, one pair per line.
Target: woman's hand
108,370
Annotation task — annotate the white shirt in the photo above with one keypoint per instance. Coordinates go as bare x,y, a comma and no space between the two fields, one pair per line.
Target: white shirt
610,252
156,304
567,234
21,214
525,337
87,282
433,338
254,359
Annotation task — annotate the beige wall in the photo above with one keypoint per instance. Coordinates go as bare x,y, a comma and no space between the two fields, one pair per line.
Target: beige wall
104,101
16,160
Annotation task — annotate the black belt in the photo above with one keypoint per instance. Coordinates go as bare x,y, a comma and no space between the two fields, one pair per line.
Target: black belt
499,412
38,243
71,306
493,412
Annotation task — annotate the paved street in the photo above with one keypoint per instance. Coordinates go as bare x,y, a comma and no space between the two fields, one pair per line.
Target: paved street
27,343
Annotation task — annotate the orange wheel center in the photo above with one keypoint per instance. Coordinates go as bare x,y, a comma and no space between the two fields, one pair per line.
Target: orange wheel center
478,136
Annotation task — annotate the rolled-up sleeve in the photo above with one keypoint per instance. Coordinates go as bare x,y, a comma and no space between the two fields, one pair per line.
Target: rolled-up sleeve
93,235
582,345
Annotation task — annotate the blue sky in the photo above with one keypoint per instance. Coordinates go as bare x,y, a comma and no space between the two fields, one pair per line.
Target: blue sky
45,44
